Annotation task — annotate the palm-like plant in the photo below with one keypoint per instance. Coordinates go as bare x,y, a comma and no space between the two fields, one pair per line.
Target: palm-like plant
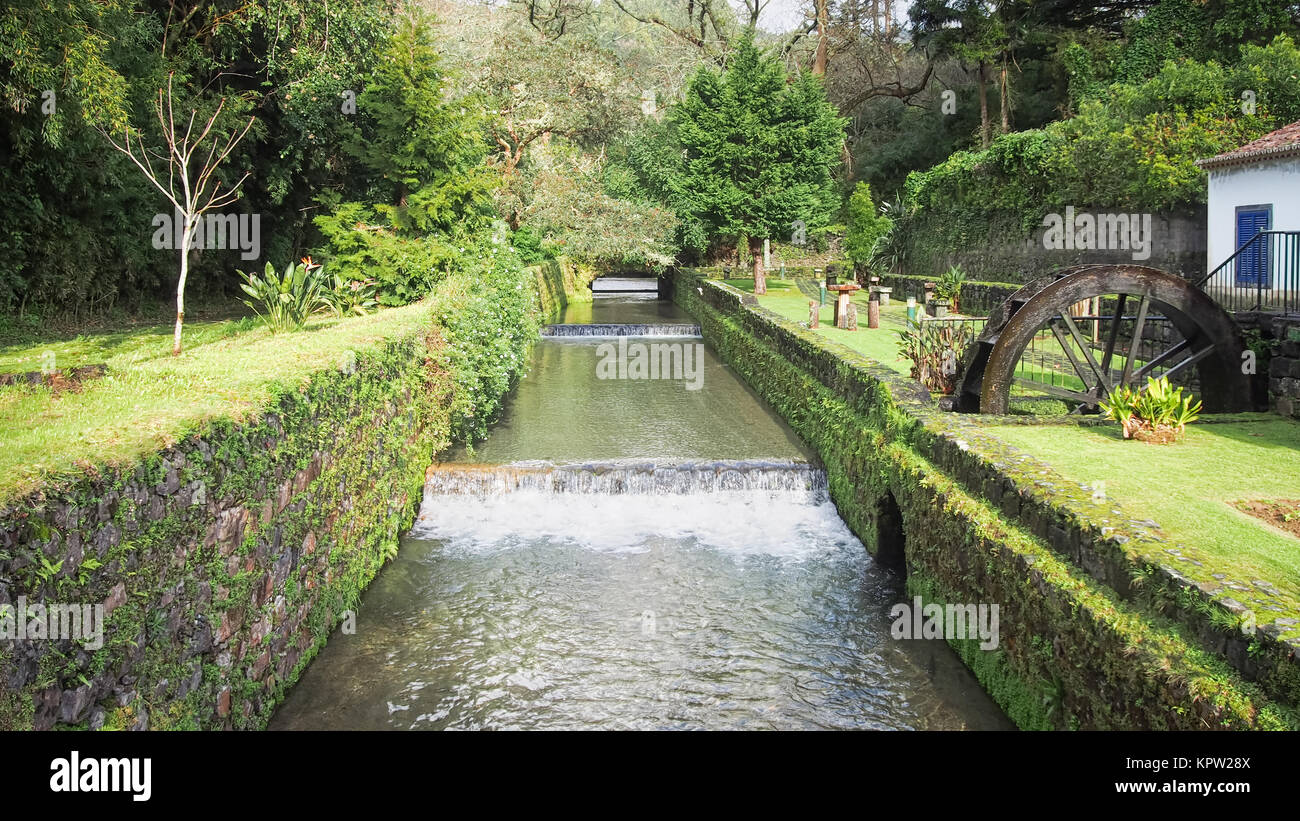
1160,407
349,297
286,301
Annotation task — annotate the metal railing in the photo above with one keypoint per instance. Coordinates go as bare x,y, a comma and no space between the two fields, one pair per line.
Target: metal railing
1261,275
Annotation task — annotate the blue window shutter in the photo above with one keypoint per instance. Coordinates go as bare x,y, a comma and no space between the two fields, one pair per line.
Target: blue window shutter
1252,264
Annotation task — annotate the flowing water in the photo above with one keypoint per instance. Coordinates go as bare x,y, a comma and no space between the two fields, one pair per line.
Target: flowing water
627,553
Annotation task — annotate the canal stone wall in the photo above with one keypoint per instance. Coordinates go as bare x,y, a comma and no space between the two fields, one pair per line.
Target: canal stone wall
222,564
1096,633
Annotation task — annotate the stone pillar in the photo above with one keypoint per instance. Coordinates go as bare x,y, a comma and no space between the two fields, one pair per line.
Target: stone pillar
814,314
851,317
842,305
873,310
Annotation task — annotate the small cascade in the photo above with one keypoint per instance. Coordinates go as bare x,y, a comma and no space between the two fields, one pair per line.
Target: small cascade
621,477
617,330
625,285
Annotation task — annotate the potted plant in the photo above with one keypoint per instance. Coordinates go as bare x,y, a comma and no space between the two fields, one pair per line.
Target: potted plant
1159,414
949,287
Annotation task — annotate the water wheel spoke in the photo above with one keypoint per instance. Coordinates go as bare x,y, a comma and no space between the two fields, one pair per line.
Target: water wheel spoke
1135,343
1102,385
1113,336
1079,369
1055,390
1160,360
1188,361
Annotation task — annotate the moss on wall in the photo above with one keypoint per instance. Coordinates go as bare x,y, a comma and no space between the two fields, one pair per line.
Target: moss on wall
223,563
1074,653
561,281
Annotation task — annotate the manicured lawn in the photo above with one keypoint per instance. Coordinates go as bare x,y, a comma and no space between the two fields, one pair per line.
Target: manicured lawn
1187,488
881,344
149,399
115,347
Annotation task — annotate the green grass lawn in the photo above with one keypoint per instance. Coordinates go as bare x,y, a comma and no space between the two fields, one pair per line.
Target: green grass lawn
117,348
1187,487
149,399
881,344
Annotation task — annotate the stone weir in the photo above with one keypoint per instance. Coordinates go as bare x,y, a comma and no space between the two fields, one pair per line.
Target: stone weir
648,478
625,285
617,330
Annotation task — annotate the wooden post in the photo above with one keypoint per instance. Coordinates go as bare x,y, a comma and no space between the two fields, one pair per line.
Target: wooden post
842,306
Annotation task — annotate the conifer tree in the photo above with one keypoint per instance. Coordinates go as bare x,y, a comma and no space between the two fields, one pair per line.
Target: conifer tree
759,150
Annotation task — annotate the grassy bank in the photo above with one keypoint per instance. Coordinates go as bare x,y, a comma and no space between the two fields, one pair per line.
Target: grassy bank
149,399
1188,487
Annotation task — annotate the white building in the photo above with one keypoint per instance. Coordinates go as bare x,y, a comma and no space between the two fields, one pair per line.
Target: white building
1252,189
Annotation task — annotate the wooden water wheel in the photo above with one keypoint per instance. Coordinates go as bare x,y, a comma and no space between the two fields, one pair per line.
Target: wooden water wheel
1097,316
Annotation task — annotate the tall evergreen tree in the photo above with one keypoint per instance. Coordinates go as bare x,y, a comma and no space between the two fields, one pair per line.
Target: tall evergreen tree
424,150
759,150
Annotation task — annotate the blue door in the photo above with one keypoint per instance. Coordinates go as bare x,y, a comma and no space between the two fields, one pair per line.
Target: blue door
1252,263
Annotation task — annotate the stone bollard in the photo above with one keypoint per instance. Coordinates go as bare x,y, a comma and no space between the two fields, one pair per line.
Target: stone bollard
814,314
851,317
884,295
873,310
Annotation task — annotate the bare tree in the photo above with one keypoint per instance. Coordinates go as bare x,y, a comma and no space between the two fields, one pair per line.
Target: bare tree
192,190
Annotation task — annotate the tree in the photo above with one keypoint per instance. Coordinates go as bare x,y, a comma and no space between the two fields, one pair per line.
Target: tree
193,189
571,88
866,225
971,31
759,151
425,191
424,152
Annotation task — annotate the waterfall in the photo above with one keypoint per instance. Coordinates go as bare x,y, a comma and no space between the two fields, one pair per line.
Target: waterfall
648,478
617,330
625,285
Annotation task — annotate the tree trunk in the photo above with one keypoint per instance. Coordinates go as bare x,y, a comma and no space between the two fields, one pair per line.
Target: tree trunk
180,284
1005,103
760,274
986,136
823,23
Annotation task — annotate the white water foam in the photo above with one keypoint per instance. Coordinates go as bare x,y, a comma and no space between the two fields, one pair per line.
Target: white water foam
792,525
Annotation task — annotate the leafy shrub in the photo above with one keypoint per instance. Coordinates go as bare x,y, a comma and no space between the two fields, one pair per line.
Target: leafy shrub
1160,413
528,244
935,349
867,226
286,301
349,297
949,284
361,245
489,312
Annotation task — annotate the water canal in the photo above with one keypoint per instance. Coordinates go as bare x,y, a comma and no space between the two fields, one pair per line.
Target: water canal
628,553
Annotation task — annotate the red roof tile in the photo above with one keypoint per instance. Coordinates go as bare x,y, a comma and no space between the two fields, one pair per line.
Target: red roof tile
1283,142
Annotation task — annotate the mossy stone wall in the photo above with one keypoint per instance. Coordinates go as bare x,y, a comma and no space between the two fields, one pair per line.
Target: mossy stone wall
1075,651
